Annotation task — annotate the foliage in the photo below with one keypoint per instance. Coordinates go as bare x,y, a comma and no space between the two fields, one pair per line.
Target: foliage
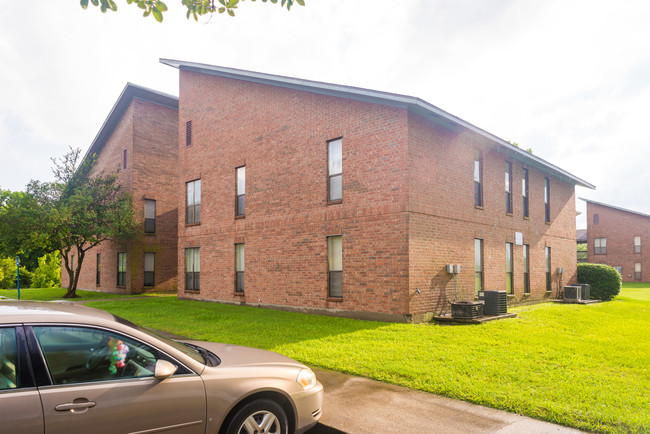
48,272
80,209
195,8
529,150
8,277
605,281
597,355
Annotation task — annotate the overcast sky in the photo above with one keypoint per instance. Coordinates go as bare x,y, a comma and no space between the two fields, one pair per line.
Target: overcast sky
568,78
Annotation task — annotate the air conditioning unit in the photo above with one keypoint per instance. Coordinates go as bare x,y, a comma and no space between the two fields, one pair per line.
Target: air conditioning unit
572,293
496,302
585,294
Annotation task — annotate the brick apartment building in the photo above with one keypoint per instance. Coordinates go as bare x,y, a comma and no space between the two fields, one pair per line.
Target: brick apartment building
347,201
620,238
139,137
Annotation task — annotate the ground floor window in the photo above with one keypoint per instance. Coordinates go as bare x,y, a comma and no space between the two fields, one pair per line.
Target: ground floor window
192,269
98,272
526,269
239,267
335,266
149,268
121,269
549,281
510,288
637,271
478,265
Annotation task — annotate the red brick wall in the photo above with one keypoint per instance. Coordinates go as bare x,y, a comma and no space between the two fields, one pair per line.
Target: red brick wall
408,204
620,228
281,136
444,222
148,132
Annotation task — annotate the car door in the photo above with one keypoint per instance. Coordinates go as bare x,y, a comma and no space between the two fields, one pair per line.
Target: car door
20,404
102,382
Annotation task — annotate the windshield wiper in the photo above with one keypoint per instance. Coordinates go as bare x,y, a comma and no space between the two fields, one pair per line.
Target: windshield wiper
210,358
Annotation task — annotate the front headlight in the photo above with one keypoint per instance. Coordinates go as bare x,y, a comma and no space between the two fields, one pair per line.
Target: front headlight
306,379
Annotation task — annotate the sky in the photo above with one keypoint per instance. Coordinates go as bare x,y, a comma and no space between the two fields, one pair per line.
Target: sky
568,78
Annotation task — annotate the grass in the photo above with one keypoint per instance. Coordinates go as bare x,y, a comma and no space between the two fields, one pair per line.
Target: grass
49,294
582,366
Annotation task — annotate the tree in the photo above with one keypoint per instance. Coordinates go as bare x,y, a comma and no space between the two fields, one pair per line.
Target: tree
156,8
79,210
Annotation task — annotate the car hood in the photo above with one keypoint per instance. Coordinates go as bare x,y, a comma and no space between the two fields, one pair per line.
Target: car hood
236,355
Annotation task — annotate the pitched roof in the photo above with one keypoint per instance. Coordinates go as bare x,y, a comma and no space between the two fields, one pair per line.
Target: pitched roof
413,104
614,207
131,91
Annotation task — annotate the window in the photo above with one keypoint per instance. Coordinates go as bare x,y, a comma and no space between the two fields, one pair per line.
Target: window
188,133
510,289
8,359
99,268
637,244
637,271
240,201
524,191
149,268
124,159
549,281
335,170
149,216
508,184
84,354
478,174
547,200
526,259
193,211
600,246
478,265
192,269
596,219
335,265
239,267
121,269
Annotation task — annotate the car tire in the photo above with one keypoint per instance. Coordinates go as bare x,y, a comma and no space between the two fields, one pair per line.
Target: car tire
262,416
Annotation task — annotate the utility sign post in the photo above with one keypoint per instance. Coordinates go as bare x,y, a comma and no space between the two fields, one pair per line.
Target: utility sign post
18,275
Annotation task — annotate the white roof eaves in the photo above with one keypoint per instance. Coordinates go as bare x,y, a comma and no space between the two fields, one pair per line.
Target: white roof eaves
411,103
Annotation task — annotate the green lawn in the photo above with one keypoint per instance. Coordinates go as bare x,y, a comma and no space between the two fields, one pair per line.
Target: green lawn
49,294
581,366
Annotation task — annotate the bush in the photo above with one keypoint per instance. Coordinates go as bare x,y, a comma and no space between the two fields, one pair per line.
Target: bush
605,281
48,273
8,272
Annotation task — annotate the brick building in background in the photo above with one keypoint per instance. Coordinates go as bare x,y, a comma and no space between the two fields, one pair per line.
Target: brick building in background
139,137
339,200
620,238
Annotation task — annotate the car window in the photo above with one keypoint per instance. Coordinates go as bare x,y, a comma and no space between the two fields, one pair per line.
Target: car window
8,377
83,354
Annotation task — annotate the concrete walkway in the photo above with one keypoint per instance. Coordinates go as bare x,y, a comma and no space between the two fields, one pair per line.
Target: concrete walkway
359,405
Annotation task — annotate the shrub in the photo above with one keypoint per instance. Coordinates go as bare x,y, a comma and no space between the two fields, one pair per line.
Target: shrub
48,272
8,272
605,281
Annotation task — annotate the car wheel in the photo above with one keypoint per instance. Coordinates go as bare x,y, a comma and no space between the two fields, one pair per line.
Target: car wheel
260,417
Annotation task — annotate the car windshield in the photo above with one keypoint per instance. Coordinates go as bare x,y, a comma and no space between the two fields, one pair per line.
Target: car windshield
192,352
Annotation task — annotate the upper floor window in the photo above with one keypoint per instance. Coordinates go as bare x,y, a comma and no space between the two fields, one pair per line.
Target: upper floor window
239,267
240,201
508,184
124,159
149,216
193,210
188,133
335,266
149,268
637,244
547,200
596,219
524,191
478,176
600,246
335,170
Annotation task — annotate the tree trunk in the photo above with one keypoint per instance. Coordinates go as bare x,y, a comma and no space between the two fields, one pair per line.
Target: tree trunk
74,278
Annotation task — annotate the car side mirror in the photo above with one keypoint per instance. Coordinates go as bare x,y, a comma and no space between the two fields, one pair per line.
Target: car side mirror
164,369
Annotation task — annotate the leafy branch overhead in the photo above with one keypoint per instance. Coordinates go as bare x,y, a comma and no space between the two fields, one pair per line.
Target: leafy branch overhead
195,8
